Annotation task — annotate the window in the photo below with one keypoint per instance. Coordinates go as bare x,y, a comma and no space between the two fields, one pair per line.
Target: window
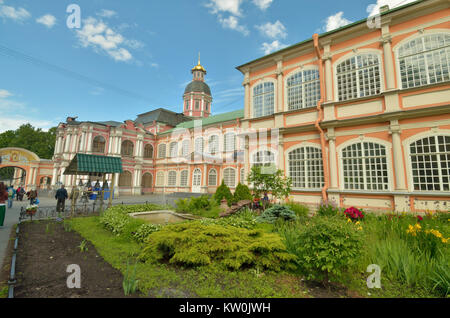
148,151
184,178
306,168
127,148
98,145
185,147
187,104
197,178
263,158
197,105
430,163
172,182
303,89
230,142
213,144
160,179
147,181
425,60
365,167
242,176
199,145
207,107
212,177
162,151
125,179
174,150
263,99
229,177
358,76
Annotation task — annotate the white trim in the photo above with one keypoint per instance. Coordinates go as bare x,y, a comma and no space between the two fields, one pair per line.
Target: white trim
187,178
168,179
209,173
289,75
165,151
235,176
275,97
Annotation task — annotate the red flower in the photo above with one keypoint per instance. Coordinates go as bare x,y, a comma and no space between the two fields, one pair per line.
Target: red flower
419,218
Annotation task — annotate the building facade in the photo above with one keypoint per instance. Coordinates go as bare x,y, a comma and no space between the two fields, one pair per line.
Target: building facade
359,116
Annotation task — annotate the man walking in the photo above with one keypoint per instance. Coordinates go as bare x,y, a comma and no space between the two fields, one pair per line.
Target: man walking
61,196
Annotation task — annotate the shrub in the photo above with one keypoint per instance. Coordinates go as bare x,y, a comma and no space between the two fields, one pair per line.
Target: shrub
271,215
194,244
328,208
144,231
242,193
223,192
324,246
202,206
300,210
245,219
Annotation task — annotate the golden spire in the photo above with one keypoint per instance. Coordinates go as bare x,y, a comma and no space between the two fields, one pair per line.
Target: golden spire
199,67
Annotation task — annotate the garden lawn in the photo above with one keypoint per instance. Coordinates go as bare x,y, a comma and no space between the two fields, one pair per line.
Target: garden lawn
162,280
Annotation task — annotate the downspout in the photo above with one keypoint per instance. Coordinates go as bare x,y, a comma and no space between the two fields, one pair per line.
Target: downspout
320,119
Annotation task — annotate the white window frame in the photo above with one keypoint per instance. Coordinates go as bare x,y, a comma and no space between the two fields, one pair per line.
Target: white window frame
378,53
183,147
235,175
173,153
254,154
390,167
186,184
160,156
158,178
169,175
275,97
217,143
226,147
209,178
298,146
194,175
286,88
203,145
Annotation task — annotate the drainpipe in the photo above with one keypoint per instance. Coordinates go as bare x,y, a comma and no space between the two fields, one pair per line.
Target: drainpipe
320,119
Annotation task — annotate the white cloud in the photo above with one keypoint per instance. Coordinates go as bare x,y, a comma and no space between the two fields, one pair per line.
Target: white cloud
18,15
276,45
14,122
231,6
48,20
3,92
374,9
273,30
107,13
336,21
262,4
232,23
102,38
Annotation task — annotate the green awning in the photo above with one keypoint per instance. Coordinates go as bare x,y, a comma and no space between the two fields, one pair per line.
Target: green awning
93,165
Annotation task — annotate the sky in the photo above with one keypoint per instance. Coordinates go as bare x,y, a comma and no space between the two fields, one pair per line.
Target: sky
125,58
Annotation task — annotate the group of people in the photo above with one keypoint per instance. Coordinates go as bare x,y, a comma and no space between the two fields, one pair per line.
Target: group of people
8,194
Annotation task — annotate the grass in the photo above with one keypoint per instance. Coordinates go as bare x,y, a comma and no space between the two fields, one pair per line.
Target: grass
4,292
161,280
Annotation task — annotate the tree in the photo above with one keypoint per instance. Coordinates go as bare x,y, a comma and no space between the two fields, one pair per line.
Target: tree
270,180
242,193
223,192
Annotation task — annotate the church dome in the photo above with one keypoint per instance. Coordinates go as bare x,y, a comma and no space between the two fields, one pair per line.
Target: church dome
198,86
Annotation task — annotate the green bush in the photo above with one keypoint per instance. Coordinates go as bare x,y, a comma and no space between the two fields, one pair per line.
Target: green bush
302,211
194,244
242,193
202,206
144,231
324,246
223,192
328,208
245,219
276,212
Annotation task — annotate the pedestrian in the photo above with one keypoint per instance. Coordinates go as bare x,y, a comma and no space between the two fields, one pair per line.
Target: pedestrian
32,195
3,198
11,195
18,193
21,193
61,196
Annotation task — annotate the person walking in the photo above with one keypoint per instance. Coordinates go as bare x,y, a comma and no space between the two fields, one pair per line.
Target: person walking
32,196
61,196
11,195
3,198
18,193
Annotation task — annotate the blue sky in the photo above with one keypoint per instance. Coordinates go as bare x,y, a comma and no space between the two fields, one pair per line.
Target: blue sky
129,57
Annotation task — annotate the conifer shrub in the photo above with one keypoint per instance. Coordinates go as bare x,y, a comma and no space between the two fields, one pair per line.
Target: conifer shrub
242,193
277,212
223,192
202,206
194,244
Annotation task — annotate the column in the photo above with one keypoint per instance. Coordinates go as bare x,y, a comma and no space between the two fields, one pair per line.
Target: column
328,71
83,142
280,85
388,62
281,155
332,158
67,145
116,185
395,131
110,144
247,157
205,176
246,85
89,142
55,172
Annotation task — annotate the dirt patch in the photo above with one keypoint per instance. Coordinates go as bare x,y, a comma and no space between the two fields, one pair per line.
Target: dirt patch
317,290
46,249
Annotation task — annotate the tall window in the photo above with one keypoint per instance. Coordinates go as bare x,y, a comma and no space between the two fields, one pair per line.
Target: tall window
199,145
263,158
185,147
213,144
172,182
197,105
147,181
229,177
242,176
197,178
127,148
162,151
303,89
125,179
184,178
212,177
230,142
358,76
263,99
306,168
425,60
148,151
98,145
187,104
160,179
174,150
365,167
430,163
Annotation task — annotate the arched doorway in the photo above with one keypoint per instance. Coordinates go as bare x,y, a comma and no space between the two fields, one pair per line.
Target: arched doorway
147,183
197,181
14,176
125,179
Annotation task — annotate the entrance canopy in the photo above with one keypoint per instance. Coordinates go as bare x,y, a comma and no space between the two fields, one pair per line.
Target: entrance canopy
93,165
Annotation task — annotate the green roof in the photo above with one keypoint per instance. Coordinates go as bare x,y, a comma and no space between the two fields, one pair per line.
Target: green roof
221,118
83,164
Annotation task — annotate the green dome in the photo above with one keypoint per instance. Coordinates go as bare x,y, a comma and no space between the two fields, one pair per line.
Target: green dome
198,86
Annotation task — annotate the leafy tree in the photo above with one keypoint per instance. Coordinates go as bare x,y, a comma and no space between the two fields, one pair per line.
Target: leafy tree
223,192
274,182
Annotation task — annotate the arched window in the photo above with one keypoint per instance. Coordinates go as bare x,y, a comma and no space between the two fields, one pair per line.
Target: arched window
147,181
213,144
303,89
430,163
199,145
184,178
160,179
125,179
358,76
162,151
148,151
230,142
98,145
425,60
174,149
263,99
263,158
365,167
197,178
306,168
212,177
172,182
185,147
229,177
127,148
